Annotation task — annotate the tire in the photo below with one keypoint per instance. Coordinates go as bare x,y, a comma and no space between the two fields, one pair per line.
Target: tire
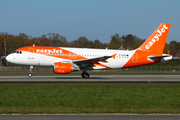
85,75
30,74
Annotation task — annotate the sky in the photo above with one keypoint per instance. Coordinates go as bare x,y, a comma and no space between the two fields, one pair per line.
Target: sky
94,19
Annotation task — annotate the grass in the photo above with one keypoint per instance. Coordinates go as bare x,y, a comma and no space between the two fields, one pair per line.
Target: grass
53,98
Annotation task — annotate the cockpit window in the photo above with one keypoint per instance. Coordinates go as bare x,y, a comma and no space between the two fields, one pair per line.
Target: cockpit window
18,52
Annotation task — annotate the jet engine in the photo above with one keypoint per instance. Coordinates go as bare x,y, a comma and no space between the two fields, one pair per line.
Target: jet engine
64,68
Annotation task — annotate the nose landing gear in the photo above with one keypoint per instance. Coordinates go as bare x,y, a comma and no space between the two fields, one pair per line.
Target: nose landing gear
30,73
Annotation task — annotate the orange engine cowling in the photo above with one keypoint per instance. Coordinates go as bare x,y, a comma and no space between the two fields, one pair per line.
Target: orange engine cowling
64,68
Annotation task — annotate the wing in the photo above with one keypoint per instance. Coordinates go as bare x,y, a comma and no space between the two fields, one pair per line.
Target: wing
93,61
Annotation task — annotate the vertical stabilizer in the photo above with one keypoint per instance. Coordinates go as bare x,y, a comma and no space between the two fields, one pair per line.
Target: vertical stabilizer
156,41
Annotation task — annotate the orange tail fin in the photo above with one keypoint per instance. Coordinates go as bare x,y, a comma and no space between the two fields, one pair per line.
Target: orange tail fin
156,41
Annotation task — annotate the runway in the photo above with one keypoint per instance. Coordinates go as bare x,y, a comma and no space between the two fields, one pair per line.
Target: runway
93,79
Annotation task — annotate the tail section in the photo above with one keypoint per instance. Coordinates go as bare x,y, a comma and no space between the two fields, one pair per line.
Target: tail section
151,51
156,41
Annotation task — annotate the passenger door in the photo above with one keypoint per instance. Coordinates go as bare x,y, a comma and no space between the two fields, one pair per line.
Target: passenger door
31,53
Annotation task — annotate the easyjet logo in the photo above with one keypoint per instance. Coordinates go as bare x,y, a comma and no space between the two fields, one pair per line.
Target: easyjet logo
156,37
48,51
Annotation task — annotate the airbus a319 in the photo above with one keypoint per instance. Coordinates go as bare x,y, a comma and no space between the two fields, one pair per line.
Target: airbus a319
66,60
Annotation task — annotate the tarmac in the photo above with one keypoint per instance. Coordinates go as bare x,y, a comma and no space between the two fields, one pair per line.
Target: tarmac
93,79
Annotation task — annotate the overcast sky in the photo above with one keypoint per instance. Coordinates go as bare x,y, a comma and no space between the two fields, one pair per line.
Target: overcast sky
94,19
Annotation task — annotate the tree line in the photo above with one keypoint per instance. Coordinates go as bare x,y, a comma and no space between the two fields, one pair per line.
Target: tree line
9,43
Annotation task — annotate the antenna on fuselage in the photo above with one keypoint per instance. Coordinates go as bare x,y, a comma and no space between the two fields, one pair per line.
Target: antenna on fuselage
33,45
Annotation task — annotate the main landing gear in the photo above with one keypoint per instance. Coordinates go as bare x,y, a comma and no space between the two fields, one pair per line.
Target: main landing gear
30,73
85,74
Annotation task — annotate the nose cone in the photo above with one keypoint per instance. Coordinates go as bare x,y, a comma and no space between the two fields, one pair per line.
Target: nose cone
9,58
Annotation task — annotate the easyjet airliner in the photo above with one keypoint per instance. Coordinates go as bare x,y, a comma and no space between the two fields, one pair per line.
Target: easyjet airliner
66,60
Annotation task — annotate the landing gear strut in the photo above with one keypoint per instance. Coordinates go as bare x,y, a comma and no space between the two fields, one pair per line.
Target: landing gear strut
30,73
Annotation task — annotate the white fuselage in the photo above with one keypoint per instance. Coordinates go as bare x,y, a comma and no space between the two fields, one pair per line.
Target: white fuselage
43,59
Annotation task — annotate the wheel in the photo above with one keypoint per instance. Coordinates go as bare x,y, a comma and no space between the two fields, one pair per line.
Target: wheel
30,74
85,75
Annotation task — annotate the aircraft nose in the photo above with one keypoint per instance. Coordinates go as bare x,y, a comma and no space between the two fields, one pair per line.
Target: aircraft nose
9,58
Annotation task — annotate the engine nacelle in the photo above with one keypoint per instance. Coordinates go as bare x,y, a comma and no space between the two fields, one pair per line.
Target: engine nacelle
64,68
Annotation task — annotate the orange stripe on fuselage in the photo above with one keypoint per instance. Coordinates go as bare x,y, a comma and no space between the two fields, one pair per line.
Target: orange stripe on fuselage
101,65
98,64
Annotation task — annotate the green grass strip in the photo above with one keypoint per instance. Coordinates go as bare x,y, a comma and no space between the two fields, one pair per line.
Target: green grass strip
53,98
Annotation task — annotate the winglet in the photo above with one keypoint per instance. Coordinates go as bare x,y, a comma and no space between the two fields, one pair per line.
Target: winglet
113,56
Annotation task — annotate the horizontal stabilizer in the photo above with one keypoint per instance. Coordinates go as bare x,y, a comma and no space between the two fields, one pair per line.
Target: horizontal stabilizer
165,57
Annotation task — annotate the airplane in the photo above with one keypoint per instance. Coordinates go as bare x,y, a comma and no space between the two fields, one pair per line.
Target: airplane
66,60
